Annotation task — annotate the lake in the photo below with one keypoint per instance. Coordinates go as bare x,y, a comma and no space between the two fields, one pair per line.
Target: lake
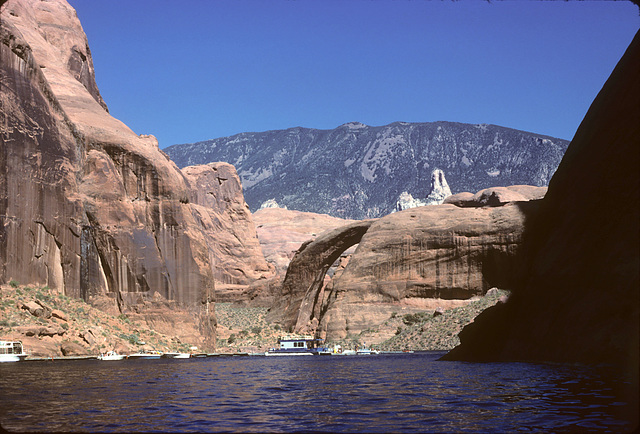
377,393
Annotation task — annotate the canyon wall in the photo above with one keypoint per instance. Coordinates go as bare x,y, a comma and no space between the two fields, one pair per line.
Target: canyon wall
578,299
88,207
229,229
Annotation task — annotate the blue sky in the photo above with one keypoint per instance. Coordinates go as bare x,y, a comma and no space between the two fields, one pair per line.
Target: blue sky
195,69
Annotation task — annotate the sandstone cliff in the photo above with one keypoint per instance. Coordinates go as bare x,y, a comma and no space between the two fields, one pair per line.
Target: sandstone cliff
578,300
88,207
219,205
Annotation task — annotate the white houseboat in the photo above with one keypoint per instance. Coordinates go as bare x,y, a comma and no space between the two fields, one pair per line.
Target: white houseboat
11,351
298,345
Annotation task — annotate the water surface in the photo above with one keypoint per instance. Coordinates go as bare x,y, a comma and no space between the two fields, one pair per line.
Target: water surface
383,393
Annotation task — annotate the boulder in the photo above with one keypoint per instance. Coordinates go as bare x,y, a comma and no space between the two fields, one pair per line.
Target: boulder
37,309
51,331
88,337
69,348
55,313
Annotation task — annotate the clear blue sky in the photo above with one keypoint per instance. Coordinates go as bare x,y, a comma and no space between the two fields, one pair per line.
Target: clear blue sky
193,70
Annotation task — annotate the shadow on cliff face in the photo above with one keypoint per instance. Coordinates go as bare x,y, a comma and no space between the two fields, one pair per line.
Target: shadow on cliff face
504,268
577,299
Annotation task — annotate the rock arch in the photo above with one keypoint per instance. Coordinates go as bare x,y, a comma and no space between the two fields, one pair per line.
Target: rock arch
301,300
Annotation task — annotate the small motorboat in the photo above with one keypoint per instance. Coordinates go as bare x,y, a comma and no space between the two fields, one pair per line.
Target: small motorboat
12,351
145,355
111,355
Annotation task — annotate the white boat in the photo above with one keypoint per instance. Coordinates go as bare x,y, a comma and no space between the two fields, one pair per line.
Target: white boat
12,351
145,355
298,345
176,355
111,355
364,351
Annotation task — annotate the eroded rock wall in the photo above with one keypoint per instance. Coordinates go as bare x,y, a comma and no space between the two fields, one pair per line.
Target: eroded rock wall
87,206
438,252
219,205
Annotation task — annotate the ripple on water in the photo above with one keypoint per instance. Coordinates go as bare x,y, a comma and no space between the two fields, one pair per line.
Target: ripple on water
386,393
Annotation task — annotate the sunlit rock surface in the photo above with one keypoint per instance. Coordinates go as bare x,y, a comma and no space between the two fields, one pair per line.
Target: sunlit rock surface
88,207
230,232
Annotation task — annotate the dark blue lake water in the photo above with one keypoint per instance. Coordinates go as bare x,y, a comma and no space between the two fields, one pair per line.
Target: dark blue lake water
383,393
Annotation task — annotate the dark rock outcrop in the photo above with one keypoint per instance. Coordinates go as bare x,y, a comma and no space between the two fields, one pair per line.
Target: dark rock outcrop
86,206
578,299
357,171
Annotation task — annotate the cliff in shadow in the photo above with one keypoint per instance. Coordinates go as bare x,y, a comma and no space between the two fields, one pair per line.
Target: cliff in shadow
578,300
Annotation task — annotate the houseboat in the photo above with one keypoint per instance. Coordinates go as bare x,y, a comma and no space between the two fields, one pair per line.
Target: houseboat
298,345
11,351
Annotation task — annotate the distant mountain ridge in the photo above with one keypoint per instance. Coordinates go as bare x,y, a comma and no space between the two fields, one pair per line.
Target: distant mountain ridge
357,171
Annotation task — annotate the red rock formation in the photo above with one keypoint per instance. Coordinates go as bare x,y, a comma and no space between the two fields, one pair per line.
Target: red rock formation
302,290
497,196
87,206
219,205
281,232
411,258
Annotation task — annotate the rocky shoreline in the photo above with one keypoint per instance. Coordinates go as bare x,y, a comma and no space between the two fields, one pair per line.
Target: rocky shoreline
52,325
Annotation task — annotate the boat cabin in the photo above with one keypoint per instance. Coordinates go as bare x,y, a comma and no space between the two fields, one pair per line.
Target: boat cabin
11,347
304,342
11,351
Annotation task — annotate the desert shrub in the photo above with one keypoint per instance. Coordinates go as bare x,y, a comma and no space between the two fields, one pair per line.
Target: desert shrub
256,330
413,318
14,284
398,330
42,297
133,338
231,339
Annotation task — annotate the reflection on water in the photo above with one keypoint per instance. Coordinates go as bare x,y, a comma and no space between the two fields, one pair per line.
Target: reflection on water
385,393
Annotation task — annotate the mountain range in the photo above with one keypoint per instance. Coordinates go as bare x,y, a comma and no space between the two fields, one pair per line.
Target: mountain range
357,171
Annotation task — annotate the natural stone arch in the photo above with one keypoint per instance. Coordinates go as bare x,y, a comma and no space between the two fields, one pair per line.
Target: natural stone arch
302,297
